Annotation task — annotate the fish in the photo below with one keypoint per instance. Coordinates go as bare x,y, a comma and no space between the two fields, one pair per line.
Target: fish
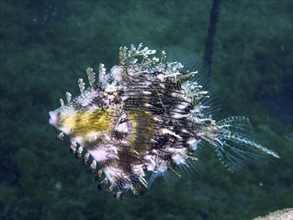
147,117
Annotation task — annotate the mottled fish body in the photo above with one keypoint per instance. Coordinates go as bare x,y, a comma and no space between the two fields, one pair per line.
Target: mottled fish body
146,117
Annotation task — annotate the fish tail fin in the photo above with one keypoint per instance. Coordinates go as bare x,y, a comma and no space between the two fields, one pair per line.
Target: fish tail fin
235,147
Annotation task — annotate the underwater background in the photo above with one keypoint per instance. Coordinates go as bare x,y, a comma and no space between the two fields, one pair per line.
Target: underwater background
47,45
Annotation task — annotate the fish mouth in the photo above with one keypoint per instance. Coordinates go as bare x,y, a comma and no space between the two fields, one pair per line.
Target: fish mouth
53,118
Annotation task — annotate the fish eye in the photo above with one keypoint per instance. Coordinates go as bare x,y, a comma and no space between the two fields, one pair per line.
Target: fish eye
110,92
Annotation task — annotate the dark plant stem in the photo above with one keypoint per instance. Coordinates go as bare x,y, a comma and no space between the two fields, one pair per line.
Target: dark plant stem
209,42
